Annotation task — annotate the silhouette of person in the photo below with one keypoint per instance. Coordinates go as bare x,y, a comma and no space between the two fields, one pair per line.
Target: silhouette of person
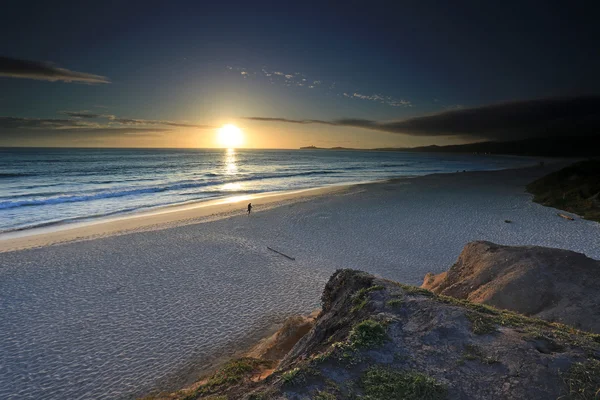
249,208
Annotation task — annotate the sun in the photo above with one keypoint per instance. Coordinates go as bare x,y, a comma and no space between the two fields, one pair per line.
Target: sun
230,136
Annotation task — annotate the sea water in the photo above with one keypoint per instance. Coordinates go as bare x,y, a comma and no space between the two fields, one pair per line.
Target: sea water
41,187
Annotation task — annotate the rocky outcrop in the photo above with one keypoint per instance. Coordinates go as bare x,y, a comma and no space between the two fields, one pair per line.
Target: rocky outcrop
380,340
281,342
552,284
575,188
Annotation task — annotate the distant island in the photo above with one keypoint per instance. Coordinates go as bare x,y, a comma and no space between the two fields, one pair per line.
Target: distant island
563,146
326,148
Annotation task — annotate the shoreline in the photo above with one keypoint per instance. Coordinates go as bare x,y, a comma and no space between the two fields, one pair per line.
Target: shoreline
126,312
181,214
160,218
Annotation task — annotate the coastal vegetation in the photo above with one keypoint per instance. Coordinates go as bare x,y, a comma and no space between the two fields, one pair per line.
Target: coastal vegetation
397,346
575,188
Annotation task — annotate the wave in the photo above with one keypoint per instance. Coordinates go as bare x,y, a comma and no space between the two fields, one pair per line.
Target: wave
147,190
15,174
207,196
18,196
73,199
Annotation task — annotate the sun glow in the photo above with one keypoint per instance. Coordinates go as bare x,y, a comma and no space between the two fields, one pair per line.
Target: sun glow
230,136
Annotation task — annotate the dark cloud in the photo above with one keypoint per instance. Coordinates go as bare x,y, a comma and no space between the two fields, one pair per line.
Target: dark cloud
513,120
291,121
33,123
14,68
132,121
81,114
16,126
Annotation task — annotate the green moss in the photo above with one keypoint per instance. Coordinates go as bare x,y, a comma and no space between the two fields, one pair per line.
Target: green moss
475,353
386,384
234,372
361,297
486,319
414,290
481,324
321,357
298,375
368,333
322,395
394,303
293,376
347,353
582,380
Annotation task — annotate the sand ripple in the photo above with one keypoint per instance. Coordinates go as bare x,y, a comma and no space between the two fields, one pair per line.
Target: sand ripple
109,318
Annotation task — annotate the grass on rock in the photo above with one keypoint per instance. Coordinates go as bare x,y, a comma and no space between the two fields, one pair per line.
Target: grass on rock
379,383
394,303
475,353
293,376
583,380
322,395
361,297
234,372
368,333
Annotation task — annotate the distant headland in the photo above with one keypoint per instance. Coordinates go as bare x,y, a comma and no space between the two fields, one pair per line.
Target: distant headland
561,146
327,148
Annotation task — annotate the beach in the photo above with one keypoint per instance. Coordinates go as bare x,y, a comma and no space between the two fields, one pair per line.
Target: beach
113,309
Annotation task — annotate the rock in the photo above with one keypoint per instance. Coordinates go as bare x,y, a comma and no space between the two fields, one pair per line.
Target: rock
281,342
380,340
552,284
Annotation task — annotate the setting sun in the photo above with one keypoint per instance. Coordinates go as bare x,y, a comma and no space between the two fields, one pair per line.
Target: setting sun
230,136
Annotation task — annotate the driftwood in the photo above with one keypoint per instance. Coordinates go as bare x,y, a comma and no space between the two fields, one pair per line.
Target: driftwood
566,217
278,252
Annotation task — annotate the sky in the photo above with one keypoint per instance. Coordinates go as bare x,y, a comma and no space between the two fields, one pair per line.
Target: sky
290,74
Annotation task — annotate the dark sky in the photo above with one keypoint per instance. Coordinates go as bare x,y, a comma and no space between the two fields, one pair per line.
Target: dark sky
207,63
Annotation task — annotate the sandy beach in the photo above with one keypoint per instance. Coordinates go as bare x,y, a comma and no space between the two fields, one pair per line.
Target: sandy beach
112,309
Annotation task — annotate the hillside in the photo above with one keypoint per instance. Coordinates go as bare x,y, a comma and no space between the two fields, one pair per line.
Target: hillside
575,188
584,146
380,340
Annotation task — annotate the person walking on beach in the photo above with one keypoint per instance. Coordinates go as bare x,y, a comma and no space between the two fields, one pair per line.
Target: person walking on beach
249,208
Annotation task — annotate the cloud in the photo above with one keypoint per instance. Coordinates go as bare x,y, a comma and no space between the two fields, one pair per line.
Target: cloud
15,68
41,123
300,80
87,126
84,126
513,120
389,100
133,121
291,121
20,128
81,114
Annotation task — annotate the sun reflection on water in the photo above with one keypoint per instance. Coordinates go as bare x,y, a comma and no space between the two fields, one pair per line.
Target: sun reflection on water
230,162
232,186
231,169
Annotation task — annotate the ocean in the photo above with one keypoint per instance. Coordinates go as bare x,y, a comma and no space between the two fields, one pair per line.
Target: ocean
42,187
